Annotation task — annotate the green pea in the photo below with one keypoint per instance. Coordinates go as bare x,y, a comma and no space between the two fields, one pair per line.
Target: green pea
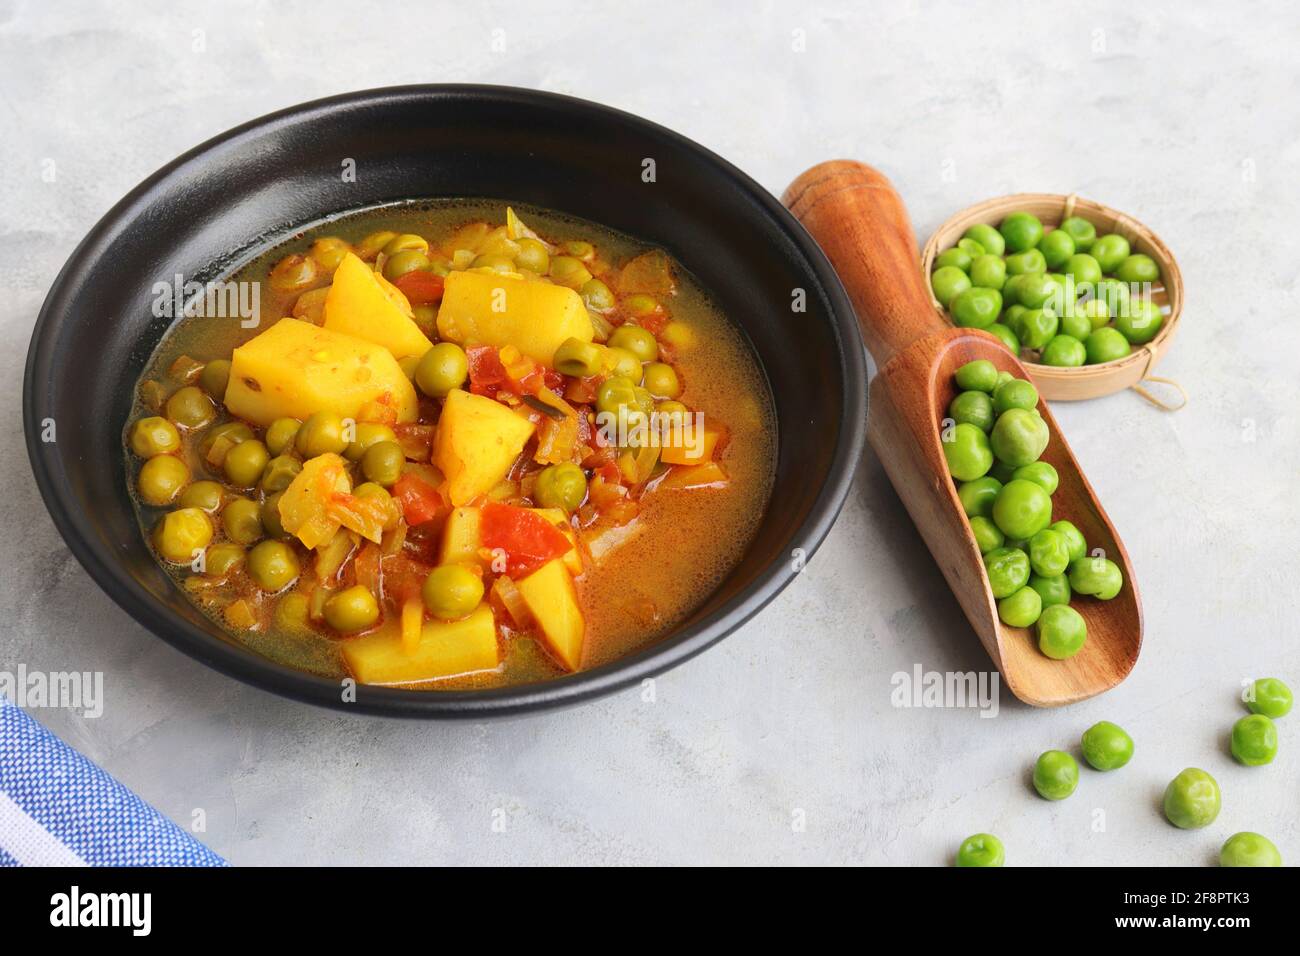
1114,294
321,434
578,358
1254,740
1026,263
271,520
1007,569
272,565
1106,746
215,377
661,380
948,282
1097,576
1081,231
383,463
1049,553
493,262
1270,697
1005,335
1053,590
977,496
1036,327
221,559
279,473
1073,538
408,260
987,536
560,486
989,238
1062,632
614,393
242,521
207,496
973,407
1057,247
1018,437
1249,849
1141,322
568,271
1138,268
452,591
1064,351
1192,799
280,435
1022,509
161,479
982,849
181,534
154,435
1083,268
1016,393
351,610
1109,251
245,463
373,244
980,375
976,308
1020,609
988,272
1077,323
1033,290
190,408
441,369
1021,230
366,434
533,256
329,252
596,295
1056,774
966,449
406,242
1040,473
971,248
637,340
957,258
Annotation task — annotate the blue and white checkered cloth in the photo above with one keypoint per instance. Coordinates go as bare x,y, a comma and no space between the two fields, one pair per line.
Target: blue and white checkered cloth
59,809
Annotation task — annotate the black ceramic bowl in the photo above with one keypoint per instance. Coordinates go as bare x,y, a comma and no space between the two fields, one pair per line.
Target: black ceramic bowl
217,204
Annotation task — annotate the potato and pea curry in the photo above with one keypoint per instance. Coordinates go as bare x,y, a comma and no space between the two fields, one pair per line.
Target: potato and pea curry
455,450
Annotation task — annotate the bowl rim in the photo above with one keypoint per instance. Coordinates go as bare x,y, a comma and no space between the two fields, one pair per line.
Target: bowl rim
1142,360
234,660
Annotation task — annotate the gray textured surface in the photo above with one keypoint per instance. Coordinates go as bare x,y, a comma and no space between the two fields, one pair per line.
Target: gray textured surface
1182,114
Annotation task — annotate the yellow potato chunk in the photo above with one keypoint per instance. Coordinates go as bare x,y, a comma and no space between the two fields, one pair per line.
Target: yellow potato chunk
295,369
461,541
553,601
305,505
445,649
534,317
478,440
362,304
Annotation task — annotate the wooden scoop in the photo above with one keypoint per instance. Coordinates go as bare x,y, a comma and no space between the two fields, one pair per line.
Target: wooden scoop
859,220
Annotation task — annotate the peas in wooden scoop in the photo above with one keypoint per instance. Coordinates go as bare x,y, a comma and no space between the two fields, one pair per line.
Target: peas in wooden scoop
988,237
987,536
1022,231
1049,553
973,407
980,375
1053,590
1022,509
976,308
1019,437
966,449
1020,609
1042,474
977,496
1073,537
1062,632
1097,576
1008,571
1016,393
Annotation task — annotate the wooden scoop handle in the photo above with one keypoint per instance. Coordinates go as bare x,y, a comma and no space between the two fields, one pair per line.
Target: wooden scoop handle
857,217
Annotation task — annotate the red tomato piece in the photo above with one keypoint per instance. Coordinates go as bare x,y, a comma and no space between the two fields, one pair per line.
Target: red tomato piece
420,501
527,539
420,287
486,373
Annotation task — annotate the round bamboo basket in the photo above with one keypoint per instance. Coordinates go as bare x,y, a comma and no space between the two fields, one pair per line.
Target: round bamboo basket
1087,381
